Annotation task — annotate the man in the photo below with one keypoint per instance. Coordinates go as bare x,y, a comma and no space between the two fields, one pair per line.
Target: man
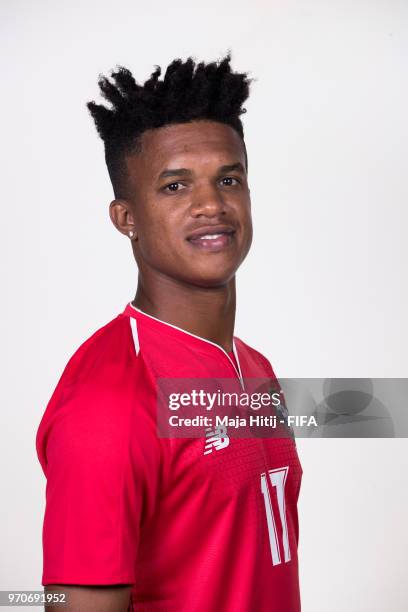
134,520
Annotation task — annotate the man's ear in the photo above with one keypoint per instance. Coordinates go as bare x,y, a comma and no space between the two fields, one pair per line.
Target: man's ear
122,218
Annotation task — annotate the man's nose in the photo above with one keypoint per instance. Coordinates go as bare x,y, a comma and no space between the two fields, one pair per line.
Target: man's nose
207,201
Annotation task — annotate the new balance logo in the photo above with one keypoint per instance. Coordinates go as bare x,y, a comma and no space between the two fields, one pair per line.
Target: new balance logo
216,439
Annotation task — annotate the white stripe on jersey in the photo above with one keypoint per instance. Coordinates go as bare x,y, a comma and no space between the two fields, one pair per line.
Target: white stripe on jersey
135,335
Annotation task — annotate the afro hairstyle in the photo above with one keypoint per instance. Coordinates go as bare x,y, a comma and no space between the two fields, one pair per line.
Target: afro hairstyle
187,92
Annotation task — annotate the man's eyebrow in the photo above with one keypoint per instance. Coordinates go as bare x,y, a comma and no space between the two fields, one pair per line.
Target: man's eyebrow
232,167
174,172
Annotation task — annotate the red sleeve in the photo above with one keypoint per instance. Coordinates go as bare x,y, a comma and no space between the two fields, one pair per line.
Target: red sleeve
101,475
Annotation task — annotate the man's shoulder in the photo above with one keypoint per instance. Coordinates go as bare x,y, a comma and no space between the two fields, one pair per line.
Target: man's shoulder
110,345
101,371
97,392
254,356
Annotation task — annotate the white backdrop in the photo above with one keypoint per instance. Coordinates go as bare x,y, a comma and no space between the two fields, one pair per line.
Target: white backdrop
323,292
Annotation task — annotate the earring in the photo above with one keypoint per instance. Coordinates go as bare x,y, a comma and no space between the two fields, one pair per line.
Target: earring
130,234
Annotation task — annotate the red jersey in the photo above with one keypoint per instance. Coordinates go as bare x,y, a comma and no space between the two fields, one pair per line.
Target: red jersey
193,526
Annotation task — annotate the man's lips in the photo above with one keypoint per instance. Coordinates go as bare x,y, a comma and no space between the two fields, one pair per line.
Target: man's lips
212,237
211,230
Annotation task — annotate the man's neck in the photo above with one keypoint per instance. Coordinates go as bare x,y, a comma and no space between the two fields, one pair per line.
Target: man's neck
206,312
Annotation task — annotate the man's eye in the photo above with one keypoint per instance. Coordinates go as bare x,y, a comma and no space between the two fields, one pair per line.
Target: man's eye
173,187
229,181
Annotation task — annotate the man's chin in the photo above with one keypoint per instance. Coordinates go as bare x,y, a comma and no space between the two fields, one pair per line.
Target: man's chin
208,280
210,274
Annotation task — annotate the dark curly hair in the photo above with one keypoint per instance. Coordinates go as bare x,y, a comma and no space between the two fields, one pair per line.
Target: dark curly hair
188,92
